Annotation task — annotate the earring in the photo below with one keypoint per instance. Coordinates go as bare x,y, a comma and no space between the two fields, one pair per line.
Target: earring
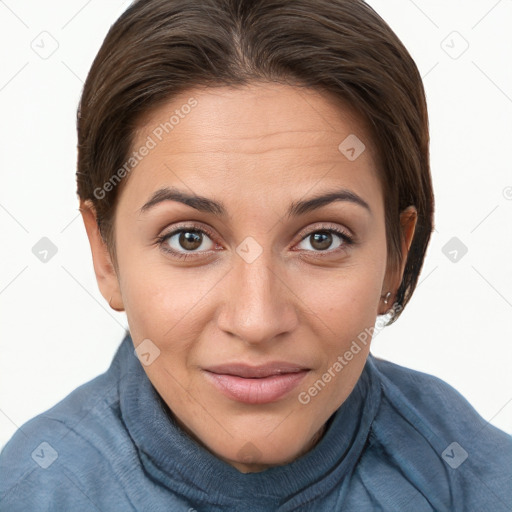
386,297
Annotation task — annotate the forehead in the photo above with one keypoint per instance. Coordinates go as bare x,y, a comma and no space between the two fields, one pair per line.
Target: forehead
232,118
228,139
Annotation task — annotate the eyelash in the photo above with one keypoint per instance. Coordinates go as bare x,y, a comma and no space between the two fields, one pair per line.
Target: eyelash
161,240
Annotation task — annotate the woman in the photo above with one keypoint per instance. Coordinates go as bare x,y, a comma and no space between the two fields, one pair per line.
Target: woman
254,181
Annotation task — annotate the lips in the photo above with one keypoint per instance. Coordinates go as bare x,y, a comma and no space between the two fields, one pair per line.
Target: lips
255,384
255,372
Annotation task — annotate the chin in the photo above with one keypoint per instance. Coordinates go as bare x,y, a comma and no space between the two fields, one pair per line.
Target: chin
256,450
253,456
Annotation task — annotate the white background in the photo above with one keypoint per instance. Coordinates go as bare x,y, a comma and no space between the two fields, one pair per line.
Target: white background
57,332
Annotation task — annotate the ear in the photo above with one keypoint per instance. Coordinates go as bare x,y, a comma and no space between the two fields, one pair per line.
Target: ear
408,219
106,275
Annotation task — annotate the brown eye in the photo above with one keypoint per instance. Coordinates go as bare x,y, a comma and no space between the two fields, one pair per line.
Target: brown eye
190,240
324,239
187,240
321,240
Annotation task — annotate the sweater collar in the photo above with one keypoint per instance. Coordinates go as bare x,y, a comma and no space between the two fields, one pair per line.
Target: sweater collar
186,468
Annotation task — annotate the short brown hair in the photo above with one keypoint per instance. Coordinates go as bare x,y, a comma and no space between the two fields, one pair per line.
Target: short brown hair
159,48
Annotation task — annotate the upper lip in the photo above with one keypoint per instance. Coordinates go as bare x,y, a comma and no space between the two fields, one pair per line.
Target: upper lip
255,372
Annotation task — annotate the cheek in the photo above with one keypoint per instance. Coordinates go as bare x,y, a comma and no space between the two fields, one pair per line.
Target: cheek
165,304
351,295
156,300
344,314
346,307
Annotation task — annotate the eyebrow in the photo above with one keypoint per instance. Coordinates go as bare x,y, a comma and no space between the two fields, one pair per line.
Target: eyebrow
206,205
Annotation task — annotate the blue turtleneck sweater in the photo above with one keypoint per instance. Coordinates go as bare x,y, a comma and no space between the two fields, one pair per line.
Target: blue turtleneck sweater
402,441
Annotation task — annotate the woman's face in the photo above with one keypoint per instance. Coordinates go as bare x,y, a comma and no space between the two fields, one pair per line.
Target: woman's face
252,300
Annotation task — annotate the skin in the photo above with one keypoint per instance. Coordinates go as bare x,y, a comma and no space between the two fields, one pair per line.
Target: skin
256,149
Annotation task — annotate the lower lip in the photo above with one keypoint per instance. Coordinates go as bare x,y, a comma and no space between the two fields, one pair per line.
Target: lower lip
256,391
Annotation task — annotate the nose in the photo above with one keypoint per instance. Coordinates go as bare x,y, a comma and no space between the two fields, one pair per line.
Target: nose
259,304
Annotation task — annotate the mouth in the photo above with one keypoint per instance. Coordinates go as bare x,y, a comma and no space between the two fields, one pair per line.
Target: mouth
256,384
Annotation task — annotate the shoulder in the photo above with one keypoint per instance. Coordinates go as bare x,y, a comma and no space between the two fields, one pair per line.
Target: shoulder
430,431
50,459
437,403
